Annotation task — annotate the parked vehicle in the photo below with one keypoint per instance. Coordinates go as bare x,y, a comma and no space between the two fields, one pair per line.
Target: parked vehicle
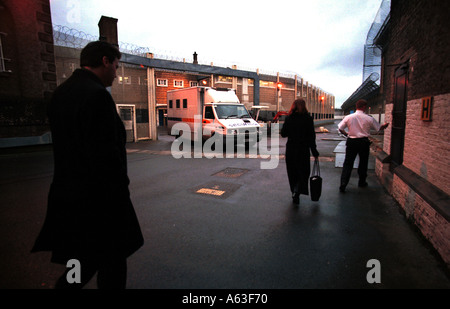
209,111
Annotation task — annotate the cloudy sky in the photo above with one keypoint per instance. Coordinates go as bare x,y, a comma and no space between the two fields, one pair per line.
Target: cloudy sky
322,41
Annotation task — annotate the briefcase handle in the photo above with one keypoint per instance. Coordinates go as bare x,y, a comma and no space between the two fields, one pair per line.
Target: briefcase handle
316,168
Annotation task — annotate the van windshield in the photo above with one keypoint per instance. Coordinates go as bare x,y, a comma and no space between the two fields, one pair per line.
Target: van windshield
231,111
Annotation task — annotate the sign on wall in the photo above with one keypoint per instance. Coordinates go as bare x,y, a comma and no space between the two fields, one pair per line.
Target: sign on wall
426,109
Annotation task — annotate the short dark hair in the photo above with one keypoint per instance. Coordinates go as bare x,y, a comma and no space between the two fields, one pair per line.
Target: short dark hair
361,103
93,53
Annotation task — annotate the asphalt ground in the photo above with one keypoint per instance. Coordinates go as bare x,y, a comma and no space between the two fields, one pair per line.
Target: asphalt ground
226,223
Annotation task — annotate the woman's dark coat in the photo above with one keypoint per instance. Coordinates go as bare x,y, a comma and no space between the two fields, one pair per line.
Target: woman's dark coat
299,129
90,212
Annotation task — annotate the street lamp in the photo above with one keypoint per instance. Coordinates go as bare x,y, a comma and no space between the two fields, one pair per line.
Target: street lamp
279,86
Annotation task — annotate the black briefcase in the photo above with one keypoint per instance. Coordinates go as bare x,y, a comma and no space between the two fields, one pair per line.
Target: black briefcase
315,182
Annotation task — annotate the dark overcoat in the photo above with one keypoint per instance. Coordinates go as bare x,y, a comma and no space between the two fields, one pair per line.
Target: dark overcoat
299,129
90,212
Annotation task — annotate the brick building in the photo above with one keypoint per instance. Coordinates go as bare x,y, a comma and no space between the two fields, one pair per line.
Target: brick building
139,91
131,90
415,161
27,68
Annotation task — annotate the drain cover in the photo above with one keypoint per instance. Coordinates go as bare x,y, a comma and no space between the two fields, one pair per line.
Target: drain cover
216,189
231,172
211,191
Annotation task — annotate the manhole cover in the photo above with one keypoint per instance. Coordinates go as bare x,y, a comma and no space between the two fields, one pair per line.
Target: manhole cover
231,172
216,189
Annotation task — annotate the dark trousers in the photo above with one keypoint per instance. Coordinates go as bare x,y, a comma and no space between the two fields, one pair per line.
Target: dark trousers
111,274
356,146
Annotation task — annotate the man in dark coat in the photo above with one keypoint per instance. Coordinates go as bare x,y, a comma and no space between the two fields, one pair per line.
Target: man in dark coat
90,216
299,129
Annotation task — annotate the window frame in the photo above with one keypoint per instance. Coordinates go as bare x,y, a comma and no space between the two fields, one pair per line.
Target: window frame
162,82
175,81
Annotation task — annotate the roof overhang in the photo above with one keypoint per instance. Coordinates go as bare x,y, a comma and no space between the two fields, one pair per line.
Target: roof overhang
368,88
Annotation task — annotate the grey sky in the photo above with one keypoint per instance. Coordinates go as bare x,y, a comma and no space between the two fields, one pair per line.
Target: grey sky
320,40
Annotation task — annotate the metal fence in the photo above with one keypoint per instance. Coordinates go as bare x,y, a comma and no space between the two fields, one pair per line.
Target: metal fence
68,37
372,53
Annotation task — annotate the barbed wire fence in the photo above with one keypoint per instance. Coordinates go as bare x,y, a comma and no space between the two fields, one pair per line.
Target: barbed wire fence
73,38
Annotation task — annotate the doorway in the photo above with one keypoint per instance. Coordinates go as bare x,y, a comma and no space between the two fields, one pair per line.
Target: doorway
128,116
399,115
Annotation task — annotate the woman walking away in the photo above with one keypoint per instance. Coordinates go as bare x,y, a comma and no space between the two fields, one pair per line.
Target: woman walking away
299,129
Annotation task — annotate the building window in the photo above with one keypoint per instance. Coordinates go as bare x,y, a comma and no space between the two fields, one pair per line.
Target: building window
209,114
141,115
161,82
224,79
178,83
263,83
193,84
125,80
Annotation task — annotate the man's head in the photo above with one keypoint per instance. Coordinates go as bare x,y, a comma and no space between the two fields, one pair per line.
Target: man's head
361,105
102,59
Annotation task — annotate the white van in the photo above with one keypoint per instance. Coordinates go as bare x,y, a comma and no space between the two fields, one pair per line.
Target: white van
217,109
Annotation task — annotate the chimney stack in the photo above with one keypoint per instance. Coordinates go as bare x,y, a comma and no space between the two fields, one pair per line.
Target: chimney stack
108,30
195,58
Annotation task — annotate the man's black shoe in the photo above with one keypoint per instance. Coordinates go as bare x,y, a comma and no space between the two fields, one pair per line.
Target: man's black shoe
363,184
342,189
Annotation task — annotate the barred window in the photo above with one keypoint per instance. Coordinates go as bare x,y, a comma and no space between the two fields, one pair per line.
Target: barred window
161,82
178,83
125,80
263,83
224,79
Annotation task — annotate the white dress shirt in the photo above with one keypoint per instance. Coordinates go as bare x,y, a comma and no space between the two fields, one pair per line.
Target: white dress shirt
359,124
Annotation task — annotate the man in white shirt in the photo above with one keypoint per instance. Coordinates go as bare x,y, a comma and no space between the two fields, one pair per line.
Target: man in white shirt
359,125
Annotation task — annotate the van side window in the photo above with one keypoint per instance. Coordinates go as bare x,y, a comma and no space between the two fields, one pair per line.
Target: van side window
170,104
177,103
209,114
184,103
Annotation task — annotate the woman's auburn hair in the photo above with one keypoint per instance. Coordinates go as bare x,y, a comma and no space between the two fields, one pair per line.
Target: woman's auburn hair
299,106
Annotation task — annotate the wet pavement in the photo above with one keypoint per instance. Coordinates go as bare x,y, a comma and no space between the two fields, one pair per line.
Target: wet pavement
225,223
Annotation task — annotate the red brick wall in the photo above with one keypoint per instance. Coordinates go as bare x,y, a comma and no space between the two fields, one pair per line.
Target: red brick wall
427,143
268,96
161,92
387,132
288,96
418,36
415,35
432,225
